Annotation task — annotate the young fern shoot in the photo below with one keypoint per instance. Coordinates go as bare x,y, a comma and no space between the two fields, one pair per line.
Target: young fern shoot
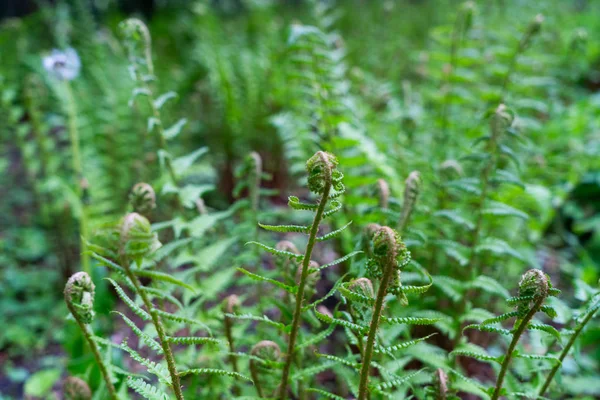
387,257
534,288
324,180
79,296
139,48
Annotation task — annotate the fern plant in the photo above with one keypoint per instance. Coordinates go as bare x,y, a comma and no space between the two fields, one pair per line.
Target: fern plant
324,180
534,289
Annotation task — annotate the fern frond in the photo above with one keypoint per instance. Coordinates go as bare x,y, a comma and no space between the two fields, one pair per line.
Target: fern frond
146,390
161,276
251,317
397,381
192,340
281,285
272,250
336,321
295,203
390,349
154,368
538,357
130,303
319,337
500,318
153,344
340,360
333,234
545,328
285,228
409,320
335,262
335,207
325,394
487,328
213,371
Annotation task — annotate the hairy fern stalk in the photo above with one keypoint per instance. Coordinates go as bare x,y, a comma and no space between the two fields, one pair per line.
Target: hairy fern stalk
324,180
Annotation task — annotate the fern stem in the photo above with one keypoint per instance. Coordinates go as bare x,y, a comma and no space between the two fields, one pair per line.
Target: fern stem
88,335
564,353
511,348
301,286
160,331
456,39
523,43
162,143
78,170
232,358
363,390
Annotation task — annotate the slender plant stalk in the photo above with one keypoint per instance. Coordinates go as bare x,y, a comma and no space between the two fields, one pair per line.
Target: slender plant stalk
71,287
511,348
363,390
383,263
564,352
78,170
160,330
87,333
289,358
532,29
460,27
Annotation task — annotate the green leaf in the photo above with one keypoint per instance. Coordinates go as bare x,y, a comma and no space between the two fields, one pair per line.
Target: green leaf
40,383
174,130
500,209
499,248
455,217
163,98
181,164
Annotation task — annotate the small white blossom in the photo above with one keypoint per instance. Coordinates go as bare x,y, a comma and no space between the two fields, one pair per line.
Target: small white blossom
63,65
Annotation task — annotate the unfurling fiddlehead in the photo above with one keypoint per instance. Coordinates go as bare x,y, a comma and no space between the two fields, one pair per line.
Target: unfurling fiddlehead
389,256
533,29
79,296
76,389
251,171
142,198
264,354
412,188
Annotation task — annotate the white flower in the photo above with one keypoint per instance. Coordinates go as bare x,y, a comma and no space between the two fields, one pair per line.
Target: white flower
63,65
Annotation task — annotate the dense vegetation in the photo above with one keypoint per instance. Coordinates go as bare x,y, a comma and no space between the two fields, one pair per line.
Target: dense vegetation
440,162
